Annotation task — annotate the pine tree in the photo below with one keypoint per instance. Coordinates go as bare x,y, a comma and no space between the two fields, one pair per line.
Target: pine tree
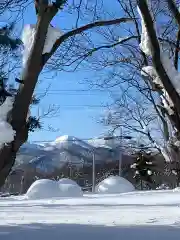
144,168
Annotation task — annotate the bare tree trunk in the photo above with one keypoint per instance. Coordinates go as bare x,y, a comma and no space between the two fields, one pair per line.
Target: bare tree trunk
7,161
17,118
8,154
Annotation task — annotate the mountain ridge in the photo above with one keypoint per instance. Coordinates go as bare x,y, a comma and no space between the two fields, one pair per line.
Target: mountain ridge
63,150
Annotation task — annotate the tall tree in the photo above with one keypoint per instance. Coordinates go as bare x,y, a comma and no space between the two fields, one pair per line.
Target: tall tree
128,66
36,60
166,76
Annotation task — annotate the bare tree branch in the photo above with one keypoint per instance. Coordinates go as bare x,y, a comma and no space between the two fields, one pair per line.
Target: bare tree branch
79,30
176,55
156,58
174,10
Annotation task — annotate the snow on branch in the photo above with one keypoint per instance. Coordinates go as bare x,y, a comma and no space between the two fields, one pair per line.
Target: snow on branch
78,31
164,74
6,131
28,38
149,71
145,44
5,108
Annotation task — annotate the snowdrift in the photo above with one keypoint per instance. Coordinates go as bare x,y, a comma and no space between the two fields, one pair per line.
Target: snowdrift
45,188
114,184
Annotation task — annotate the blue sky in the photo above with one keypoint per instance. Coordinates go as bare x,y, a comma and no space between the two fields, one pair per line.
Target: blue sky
78,111
79,108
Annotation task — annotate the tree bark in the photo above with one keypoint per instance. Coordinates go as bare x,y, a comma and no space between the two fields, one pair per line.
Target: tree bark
17,117
157,63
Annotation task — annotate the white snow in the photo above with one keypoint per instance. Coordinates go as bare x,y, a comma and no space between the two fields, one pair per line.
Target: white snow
67,181
137,215
45,188
163,186
28,35
5,108
134,165
114,184
67,140
69,188
177,143
64,138
177,189
145,44
166,100
6,132
149,71
172,73
167,105
165,153
28,115
101,142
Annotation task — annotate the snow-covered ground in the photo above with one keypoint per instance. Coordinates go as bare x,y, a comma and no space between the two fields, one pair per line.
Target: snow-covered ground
135,215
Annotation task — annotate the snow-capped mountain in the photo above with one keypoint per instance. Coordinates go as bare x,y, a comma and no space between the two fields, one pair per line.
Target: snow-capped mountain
64,150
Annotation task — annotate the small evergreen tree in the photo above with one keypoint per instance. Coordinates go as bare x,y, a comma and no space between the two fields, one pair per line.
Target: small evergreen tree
144,168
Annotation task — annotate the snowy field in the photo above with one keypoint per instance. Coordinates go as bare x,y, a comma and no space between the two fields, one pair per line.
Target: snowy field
135,215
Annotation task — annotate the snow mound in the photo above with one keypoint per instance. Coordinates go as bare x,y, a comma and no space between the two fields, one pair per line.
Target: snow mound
67,181
43,188
69,188
114,184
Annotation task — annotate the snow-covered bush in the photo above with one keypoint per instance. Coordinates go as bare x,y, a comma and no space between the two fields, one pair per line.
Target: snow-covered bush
114,184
